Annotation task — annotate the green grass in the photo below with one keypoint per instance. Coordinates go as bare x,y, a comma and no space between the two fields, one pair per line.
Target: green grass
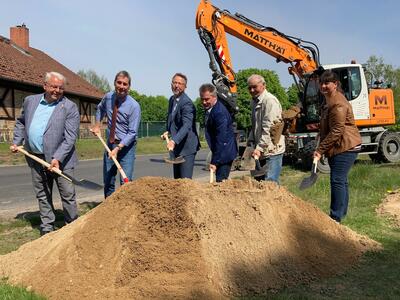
8,292
87,149
376,277
378,274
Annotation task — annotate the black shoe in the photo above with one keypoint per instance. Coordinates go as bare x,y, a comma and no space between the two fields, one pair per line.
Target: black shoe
42,233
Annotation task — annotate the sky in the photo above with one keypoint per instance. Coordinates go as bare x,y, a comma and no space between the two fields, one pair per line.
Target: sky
154,39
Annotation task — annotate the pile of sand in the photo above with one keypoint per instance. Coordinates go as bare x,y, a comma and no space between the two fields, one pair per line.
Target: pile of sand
390,206
162,238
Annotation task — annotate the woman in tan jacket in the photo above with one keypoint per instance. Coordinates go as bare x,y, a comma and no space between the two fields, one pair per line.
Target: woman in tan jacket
340,141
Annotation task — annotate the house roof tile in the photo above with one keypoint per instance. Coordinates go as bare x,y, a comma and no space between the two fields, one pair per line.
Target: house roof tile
29,67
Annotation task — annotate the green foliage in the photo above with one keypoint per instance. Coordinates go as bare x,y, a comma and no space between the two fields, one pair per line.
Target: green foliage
389,75
243,118
200,115
8,292
154,108
293,96
98,81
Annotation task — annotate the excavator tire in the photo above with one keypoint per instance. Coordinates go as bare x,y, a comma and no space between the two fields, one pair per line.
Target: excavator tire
389,148
307,158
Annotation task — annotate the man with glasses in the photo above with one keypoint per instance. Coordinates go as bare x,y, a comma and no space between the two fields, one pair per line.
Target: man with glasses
266,116
123,118
181,125
49,126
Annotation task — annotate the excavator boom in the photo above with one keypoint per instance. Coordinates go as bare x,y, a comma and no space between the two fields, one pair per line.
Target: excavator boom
213,24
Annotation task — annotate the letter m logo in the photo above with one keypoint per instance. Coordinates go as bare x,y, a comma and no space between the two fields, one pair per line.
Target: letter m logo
380,100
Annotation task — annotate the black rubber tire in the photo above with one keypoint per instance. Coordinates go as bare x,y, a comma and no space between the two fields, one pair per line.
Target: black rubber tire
323,166
306,154
389,147
307,158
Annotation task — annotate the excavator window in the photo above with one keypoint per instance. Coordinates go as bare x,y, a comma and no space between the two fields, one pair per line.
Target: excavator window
350,79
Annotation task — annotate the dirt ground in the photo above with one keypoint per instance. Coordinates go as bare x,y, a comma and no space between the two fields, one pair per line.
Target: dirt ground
390,206
160,238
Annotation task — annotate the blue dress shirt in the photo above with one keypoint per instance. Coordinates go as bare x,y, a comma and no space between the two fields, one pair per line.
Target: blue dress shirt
128,117
39,123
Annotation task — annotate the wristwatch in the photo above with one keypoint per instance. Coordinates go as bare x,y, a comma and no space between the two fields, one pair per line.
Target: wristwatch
119,147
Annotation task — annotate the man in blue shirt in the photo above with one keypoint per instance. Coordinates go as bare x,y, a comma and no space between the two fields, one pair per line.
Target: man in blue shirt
49,127
123,118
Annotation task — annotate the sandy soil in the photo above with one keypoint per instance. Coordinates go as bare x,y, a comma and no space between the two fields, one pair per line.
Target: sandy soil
160,238
390,206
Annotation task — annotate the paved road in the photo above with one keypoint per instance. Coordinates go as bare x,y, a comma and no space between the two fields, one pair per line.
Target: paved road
16,186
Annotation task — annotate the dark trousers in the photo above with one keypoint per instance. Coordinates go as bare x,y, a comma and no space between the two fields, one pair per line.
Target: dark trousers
223,171
185,169
340,166
43,186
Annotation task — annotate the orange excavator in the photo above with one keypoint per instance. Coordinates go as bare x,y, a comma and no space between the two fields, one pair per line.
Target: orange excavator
373,105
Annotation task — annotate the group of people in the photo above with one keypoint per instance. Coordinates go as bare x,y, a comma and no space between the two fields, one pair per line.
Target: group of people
49,126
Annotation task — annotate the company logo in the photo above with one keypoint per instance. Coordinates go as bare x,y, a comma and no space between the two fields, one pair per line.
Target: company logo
262,40
380,100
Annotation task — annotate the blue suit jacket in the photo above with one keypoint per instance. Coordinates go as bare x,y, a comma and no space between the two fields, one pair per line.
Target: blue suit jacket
60,134
181,124
220,135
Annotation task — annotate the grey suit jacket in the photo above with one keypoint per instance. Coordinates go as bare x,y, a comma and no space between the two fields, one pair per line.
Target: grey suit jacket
60,134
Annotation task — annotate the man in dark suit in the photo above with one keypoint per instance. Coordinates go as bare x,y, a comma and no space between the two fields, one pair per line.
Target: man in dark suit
219,132
181,125
49,127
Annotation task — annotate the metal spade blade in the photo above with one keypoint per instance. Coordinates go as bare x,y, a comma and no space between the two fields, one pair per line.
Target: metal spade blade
85,183
309,181
174,160
258,171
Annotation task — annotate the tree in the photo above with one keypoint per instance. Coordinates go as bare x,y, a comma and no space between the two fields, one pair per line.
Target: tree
154,108
243,118
389,75
98,81
200,115
293,95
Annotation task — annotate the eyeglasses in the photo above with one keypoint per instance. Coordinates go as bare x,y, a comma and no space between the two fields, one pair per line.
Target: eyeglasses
123,83
178,83
55,87
254,86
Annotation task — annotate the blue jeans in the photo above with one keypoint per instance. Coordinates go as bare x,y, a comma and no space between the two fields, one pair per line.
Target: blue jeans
340,166
274,167
126,158
223,171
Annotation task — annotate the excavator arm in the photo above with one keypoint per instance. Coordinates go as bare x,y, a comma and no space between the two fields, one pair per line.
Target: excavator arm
213,23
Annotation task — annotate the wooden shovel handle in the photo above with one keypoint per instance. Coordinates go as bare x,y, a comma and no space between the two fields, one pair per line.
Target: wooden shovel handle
42,162
315,164
121,171
211,175
167,140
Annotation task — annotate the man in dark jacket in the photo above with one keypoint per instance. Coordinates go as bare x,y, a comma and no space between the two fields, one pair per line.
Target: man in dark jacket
181,125
219,132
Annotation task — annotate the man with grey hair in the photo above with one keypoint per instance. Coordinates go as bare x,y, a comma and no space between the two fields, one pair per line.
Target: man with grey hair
220,135
266,116
48,127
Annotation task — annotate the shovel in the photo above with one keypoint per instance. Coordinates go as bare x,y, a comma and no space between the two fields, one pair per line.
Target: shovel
309,181
172,159
258,171
117,164
82,182
211,175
